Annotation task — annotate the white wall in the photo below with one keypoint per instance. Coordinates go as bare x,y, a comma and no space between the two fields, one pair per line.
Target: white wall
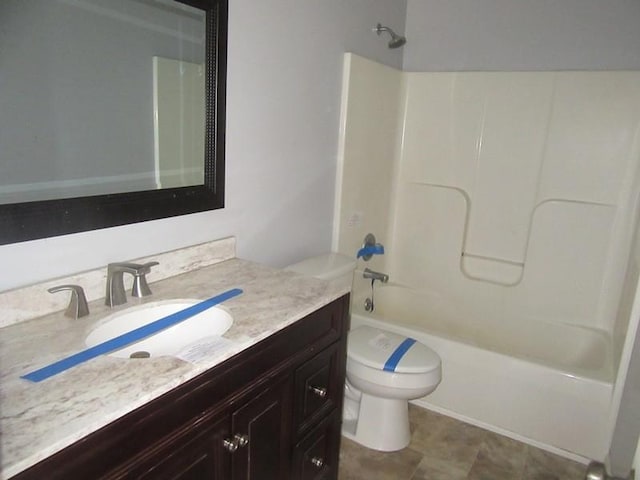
522,35
284,83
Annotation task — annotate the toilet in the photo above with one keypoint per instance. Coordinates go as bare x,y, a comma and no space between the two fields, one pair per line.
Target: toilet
384,370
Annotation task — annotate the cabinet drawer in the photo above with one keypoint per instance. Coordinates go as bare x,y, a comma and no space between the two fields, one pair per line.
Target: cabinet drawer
318,389
316,456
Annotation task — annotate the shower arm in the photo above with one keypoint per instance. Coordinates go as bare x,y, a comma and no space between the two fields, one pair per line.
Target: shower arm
379,29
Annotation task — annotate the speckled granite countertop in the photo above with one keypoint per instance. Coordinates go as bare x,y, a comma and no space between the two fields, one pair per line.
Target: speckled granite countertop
39,419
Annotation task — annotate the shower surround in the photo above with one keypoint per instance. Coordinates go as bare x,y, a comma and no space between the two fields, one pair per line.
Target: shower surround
507,203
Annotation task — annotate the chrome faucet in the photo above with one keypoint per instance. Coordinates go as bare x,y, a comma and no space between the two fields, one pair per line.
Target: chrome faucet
115,293
368,273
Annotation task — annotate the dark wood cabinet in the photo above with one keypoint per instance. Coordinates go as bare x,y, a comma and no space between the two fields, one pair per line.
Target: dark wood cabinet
199,455
317,388
316,456
270,412
259,431
246,442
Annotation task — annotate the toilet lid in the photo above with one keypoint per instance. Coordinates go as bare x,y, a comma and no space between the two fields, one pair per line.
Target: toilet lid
388,351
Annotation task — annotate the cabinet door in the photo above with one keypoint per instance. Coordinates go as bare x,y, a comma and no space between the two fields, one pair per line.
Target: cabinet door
262,425
198,455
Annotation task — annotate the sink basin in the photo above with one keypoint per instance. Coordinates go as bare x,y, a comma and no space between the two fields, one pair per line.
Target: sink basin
214,321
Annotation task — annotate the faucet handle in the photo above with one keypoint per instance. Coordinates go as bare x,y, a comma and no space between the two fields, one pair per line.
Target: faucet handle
140,286
77,304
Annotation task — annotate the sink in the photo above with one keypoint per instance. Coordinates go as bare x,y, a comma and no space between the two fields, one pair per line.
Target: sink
214,321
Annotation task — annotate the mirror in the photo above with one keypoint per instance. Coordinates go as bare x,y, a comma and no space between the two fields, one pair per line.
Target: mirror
110,113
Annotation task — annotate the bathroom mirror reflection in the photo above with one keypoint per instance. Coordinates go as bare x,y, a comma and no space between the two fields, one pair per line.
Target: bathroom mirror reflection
107,102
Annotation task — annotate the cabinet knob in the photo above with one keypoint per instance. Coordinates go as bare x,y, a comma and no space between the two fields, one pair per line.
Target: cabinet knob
319,391
243,440
317,462
238,441
230,445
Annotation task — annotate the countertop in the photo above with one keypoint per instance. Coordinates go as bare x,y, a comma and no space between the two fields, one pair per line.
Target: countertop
39,419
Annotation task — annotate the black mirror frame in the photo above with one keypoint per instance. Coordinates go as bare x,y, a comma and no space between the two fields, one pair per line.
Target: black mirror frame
20,222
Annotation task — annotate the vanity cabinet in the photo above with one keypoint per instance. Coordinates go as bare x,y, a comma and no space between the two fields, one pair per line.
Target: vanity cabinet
271,412
245,442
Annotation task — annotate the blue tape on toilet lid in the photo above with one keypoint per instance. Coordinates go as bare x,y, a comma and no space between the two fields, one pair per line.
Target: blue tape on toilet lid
376,348
396,356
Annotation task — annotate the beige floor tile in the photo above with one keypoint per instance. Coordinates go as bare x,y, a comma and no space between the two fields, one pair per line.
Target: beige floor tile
541,465
447,444
443,448
483,470
360,463
422,415
426,425
500,458
427,472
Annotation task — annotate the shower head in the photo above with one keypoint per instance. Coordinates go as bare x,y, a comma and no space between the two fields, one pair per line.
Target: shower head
396,40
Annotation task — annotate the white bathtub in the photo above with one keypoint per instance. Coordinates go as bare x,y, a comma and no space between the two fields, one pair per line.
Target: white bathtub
545,384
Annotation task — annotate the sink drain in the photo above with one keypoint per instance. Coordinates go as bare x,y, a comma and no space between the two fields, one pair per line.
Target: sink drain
140,354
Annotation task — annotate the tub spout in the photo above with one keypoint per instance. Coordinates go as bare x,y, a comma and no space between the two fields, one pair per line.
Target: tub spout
368,273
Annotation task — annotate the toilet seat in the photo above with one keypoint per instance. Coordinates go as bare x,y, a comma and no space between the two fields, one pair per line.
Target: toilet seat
389,352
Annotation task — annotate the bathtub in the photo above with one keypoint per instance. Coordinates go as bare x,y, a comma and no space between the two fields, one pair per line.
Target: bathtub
546,384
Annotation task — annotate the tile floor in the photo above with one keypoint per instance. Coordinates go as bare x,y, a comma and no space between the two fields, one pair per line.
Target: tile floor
443,448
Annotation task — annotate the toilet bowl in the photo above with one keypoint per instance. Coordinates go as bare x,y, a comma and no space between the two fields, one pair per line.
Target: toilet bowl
384,370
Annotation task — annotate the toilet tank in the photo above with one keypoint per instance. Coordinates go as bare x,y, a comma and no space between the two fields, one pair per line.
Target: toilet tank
335,267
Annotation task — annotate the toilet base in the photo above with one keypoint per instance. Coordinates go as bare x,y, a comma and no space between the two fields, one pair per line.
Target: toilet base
382,424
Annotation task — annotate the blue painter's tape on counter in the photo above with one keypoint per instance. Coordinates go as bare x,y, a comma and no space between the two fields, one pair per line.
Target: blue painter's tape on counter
129,337
396,356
